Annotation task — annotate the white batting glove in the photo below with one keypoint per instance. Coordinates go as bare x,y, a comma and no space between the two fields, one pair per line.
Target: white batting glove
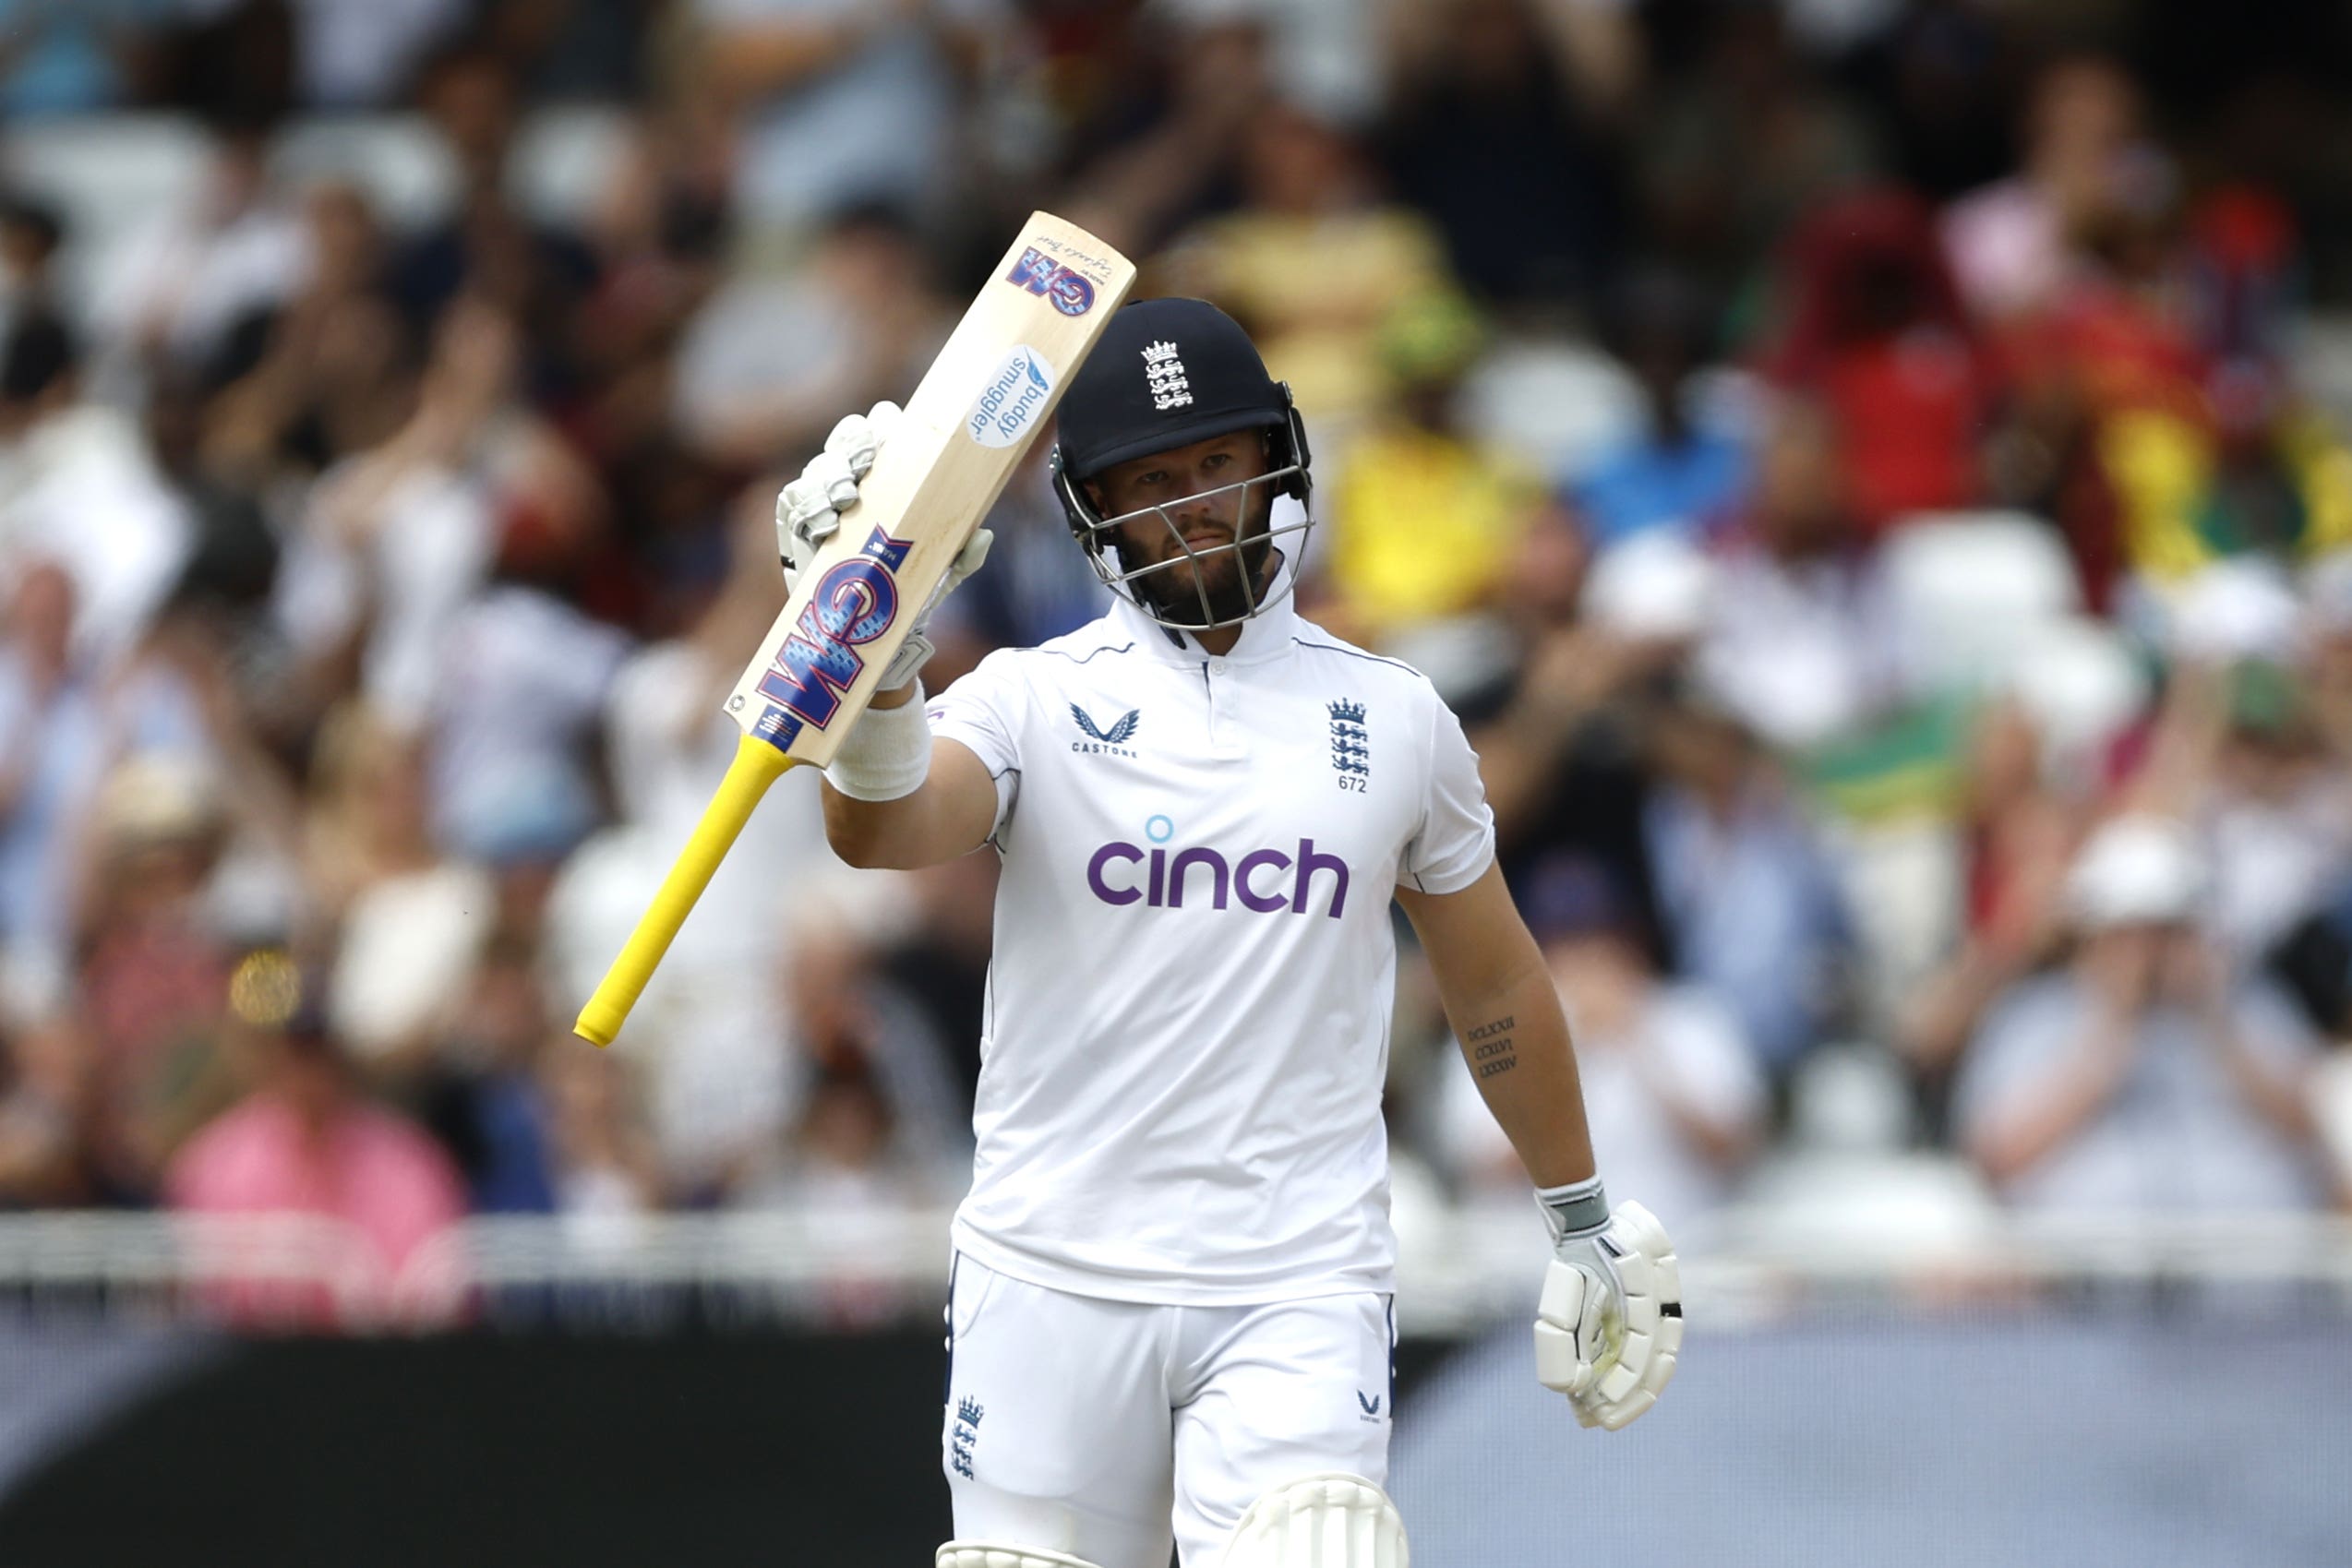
808,510
1610,1323
808,513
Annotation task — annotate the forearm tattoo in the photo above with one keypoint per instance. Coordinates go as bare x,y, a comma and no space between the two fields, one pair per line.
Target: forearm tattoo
1491,1048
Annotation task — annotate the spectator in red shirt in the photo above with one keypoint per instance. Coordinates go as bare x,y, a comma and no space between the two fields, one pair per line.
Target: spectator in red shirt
1875,333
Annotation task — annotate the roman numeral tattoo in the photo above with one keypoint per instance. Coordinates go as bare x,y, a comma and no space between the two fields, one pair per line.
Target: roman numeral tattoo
1491,1048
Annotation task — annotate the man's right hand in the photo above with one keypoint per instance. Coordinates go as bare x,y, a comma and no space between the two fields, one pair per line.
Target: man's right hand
808,510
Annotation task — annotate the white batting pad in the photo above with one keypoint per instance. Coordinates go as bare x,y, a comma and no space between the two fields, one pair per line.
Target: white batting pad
980,1554
1325,1521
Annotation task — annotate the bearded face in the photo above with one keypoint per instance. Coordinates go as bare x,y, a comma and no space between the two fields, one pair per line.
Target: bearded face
1192,527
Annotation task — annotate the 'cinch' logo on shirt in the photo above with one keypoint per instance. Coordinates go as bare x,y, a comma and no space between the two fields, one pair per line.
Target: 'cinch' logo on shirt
1127,873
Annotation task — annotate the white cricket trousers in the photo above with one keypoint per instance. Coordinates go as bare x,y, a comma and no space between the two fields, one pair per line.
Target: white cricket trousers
1098,1427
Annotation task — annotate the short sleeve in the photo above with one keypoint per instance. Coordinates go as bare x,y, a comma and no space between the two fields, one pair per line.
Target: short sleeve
1455,842
982,712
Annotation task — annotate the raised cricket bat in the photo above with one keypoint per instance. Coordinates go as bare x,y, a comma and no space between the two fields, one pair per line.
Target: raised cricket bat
986,397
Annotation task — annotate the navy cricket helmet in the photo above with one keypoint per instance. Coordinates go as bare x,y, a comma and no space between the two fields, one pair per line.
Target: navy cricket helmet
1167,373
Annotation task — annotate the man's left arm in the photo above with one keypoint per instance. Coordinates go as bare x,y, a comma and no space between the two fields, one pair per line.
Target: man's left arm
1609,1326
1508,1020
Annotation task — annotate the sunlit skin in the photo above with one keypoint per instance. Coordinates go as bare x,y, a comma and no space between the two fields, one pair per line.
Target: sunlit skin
1179,483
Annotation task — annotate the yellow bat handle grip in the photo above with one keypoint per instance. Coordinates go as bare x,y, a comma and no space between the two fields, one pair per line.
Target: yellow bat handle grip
756,766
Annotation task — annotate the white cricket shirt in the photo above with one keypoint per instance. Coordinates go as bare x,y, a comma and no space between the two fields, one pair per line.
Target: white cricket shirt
1187,1024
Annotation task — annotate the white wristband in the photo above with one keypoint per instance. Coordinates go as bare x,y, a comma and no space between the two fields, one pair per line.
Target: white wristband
886,755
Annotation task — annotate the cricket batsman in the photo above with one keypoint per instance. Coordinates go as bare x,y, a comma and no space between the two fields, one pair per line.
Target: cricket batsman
1171,1312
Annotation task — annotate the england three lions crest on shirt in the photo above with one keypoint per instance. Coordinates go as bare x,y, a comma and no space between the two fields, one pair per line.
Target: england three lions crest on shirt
1350,745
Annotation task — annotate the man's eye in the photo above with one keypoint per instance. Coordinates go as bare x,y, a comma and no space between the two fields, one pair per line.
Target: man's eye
1156,476
1216,460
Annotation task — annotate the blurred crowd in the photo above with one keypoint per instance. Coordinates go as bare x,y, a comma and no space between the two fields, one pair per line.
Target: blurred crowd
1872,475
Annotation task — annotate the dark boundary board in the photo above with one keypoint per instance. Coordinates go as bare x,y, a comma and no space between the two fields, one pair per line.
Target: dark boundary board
508,1451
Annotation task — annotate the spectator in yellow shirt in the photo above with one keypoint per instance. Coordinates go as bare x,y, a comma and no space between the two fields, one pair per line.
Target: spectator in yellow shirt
1425,519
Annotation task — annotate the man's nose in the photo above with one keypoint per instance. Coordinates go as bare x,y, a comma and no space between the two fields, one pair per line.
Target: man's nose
1204,500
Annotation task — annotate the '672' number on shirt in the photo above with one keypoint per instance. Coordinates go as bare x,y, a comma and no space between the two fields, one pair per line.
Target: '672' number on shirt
1351,782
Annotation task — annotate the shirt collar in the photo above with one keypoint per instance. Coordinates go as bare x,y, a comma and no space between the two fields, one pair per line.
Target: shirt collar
1265,635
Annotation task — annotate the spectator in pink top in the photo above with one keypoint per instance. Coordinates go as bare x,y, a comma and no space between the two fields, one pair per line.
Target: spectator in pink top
304,1142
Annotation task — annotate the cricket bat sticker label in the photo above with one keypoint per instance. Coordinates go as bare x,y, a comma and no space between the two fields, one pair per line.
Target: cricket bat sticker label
1015,396
854,604
1066,290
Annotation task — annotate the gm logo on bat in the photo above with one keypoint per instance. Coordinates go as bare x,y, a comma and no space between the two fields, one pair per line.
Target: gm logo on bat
1015,397
1068,292
854,604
